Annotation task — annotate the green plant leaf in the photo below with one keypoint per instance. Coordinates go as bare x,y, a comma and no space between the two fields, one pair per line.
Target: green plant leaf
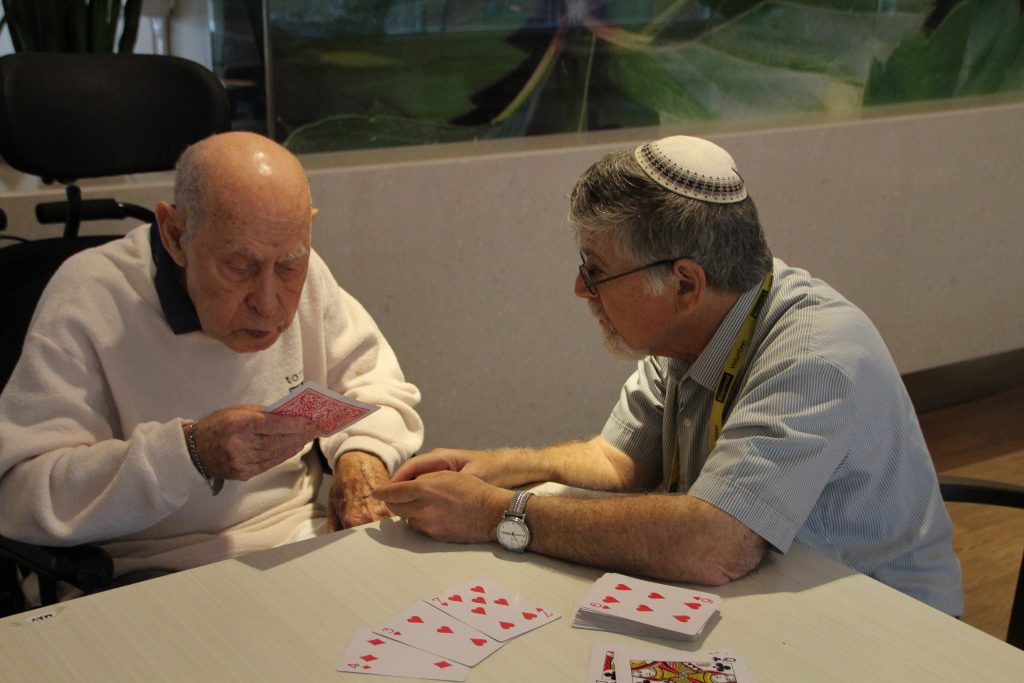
46,30
130,31
778,58
70,25
353,131
428,76
978,49
921,67
77,39
98,29
426,59
828,38
649,80
994,54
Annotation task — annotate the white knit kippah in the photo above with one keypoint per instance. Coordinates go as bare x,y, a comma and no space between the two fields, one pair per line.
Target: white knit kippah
692,167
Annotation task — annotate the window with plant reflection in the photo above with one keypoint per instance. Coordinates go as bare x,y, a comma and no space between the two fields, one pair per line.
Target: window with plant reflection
351,74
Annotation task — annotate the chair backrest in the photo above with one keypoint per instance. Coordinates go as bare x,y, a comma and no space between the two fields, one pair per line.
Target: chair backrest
984,492
25,268
66,116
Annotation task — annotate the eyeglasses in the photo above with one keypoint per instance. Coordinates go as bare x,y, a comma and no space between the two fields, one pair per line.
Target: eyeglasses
591,284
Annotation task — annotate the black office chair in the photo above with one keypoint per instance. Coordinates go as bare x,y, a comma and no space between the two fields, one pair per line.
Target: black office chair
967,490
65,117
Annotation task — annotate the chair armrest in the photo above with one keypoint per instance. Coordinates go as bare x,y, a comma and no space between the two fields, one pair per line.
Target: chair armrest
969,490
87,567
93,210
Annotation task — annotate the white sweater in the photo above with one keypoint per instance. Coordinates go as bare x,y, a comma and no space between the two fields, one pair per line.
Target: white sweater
91,445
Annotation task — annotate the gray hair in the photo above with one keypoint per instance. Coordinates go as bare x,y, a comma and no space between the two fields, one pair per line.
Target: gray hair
615,199
189,197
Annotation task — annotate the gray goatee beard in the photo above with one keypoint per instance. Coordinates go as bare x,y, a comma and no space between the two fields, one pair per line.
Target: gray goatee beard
613,341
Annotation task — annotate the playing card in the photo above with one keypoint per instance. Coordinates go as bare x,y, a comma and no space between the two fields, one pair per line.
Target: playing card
636,665
602,664
492,608
621,603
425,628
330,410
368,653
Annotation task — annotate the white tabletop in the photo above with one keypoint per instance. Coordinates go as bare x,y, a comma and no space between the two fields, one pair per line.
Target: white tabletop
287,614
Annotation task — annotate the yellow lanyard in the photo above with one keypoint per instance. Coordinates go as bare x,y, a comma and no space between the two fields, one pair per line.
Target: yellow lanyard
727,382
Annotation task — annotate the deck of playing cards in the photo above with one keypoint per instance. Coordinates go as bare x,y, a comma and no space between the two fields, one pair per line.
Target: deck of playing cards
331,411
442,636
632,664
643,608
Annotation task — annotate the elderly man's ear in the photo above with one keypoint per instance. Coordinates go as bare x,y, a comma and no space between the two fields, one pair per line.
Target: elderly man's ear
171,224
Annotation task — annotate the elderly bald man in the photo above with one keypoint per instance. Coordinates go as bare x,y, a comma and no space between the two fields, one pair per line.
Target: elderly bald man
181,332
764,410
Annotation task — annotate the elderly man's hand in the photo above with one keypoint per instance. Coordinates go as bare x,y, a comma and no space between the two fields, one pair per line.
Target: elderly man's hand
494,467
242,442
356,476
448,506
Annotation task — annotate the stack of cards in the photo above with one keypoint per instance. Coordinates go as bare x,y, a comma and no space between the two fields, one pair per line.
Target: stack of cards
643,608
442,636
331,411
632,664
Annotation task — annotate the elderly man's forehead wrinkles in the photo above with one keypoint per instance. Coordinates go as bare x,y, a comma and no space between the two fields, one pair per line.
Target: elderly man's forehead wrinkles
248,252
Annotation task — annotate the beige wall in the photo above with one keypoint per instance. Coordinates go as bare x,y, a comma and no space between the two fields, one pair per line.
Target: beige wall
461,253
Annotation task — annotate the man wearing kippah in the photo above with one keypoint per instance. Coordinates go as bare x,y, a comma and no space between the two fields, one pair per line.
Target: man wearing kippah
765,408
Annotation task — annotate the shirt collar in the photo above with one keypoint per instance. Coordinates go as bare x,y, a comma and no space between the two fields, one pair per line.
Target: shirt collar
706,370
177,306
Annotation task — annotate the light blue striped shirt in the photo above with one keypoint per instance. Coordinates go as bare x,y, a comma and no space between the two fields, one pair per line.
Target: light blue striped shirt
821,444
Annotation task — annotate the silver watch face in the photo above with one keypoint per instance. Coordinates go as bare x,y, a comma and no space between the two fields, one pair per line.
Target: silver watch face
513,534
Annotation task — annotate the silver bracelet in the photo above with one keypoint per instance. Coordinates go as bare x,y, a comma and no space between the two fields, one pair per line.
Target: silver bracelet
215,484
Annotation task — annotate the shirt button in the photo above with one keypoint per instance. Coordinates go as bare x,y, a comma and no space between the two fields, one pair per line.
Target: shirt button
688,423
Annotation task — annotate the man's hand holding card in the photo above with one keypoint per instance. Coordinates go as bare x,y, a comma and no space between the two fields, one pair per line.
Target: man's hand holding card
241,442
331,411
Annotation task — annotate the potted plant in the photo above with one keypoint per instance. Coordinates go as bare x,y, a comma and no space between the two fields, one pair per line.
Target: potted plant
71,25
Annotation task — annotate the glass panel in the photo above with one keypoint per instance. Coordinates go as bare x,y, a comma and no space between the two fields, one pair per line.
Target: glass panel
236,35
351,74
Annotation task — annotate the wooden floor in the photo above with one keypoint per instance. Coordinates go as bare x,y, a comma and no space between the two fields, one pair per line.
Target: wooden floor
983,439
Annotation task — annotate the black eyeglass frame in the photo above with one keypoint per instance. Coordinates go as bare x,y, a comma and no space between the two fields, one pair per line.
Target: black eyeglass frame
591,284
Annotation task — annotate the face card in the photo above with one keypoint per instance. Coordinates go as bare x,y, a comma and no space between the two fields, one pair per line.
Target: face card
639,665
331,411
426,628
492,608
680,610
368,653
602,664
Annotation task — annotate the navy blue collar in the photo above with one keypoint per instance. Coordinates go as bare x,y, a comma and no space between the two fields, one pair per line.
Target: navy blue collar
178,308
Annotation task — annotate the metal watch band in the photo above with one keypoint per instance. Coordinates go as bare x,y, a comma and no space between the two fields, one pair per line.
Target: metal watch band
517,508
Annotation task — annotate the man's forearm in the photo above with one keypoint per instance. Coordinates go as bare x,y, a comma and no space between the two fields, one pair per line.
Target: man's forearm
666,537
593,464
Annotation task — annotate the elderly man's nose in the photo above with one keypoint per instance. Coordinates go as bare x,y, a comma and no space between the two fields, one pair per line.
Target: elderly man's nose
263,297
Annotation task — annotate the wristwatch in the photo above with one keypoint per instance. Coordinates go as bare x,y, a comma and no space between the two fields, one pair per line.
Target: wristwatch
513,534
